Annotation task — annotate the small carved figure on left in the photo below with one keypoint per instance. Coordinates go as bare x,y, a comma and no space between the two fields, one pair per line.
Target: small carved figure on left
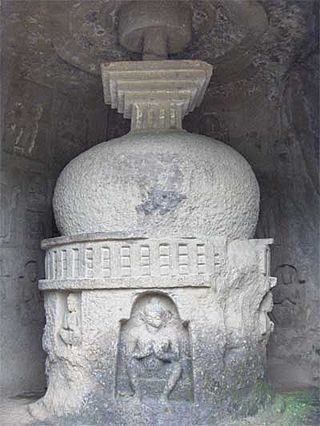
70,331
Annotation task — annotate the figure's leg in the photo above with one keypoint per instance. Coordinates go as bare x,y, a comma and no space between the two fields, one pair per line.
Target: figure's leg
133,367
38,410
176,371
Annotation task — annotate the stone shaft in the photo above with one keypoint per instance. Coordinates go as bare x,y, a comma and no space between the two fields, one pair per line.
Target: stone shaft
155,28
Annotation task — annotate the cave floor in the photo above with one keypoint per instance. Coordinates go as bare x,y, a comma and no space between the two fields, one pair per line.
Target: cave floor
14,410
291,407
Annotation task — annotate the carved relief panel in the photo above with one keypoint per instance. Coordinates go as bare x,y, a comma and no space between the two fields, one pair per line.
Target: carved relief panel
30,298
8,201
70,330
154,358
289,297
6,270
27,121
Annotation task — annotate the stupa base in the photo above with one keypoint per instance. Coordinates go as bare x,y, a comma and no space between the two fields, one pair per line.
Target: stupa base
158,330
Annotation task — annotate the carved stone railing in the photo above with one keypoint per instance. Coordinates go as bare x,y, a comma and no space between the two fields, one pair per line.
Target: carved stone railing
113,261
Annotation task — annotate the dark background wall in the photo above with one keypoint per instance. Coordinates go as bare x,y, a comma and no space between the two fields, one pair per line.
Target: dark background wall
267,110
43,126
275,126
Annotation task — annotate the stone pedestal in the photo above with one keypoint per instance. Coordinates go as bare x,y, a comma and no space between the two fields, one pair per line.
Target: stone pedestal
132,320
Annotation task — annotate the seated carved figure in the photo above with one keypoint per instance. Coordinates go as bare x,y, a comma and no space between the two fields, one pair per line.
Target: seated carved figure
154,344
70,331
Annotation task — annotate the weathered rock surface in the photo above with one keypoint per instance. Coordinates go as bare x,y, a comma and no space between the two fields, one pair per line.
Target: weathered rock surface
135,323
157,184
114,332
265,106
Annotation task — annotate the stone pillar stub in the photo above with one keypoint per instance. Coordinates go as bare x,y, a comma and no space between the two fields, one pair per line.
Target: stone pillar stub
155,28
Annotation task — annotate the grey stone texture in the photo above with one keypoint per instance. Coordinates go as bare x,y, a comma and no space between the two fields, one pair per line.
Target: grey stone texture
114,304
157,184
269,114
42,128
34,149
263,103
155,94
137,321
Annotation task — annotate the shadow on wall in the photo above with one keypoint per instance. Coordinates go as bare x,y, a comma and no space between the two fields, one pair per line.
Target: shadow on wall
43,130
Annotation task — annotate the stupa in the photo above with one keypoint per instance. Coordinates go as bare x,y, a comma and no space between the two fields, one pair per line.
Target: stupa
156,294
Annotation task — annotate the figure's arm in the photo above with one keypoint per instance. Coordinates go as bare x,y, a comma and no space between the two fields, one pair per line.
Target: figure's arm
65,330
140,350
73,322
65,324
169,351
175,346
64,334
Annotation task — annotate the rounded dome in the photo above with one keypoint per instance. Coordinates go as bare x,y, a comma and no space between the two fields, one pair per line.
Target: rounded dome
159,185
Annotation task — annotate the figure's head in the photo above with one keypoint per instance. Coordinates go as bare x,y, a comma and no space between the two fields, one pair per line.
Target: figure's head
288,274
72,302
31,271
155,314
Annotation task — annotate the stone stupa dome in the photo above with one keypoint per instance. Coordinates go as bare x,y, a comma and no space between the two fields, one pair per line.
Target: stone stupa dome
170,183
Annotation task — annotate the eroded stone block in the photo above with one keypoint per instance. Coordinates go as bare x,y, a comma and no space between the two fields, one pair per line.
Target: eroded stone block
163,338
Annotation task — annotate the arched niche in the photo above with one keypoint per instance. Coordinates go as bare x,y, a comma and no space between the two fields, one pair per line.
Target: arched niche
154,354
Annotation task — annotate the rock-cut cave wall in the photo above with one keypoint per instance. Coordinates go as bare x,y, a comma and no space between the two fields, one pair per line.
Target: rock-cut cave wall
42,128
271,115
